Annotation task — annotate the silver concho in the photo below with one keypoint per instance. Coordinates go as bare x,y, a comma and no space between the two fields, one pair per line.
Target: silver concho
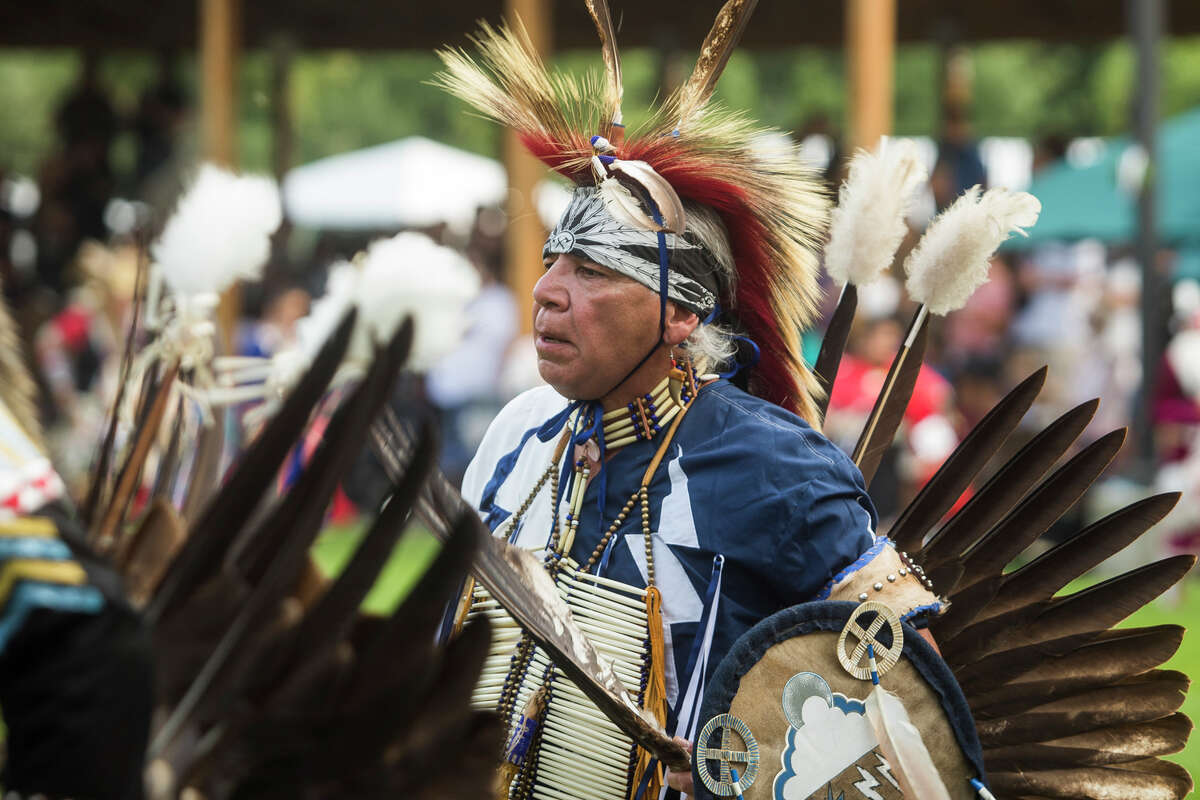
745,760
854,661
561,241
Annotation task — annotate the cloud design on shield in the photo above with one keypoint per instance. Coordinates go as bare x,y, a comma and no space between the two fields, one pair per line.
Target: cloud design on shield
834,733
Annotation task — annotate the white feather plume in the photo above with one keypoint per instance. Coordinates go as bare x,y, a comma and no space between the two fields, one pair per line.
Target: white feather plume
412,274
220,232
951,261
407,274
868,224
901,744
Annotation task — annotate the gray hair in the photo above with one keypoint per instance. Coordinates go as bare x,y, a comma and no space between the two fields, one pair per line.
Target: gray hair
712,347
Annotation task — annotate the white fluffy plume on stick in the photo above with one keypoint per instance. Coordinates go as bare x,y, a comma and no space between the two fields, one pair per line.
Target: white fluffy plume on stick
951,261
868,224
220,232
407,274
412,274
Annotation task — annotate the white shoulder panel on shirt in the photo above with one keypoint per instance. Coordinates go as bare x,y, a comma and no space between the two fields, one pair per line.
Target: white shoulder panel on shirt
527,410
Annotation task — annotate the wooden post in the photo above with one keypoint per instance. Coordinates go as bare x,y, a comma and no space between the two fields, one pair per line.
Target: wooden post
283,133
283,148
219,35
1146,23
526,234
870,65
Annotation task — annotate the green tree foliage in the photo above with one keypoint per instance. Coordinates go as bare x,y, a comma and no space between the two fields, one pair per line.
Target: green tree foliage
343,100
1019,84
30,85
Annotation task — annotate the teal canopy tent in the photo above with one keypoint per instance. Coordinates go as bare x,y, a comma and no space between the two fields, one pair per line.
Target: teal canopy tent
1094,202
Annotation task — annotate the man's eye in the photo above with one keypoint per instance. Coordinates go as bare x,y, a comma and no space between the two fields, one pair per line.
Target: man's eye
588,272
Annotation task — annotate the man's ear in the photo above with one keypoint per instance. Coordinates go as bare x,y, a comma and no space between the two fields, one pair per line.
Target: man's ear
679,324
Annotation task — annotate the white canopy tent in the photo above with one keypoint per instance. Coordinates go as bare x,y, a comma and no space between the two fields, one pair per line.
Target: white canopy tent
410,183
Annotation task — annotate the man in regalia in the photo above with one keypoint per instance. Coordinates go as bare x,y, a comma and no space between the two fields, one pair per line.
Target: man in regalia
677,445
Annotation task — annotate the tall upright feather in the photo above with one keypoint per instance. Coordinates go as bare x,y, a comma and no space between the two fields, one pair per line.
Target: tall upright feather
947,265
614,90
833,344
865,229
888,411
714,55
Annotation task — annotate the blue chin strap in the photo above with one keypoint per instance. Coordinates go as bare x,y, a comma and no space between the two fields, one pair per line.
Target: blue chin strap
664,262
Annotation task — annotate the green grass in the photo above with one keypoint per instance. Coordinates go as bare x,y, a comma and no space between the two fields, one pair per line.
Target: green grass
409,560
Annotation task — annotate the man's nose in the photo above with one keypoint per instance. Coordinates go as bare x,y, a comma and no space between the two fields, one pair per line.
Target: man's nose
550,291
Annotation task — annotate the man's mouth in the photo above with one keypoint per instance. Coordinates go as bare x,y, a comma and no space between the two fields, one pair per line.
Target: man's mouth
552,346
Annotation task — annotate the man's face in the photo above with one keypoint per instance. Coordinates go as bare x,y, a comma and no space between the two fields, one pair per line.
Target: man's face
591,326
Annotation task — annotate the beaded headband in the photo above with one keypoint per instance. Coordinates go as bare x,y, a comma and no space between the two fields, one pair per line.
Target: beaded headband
588,229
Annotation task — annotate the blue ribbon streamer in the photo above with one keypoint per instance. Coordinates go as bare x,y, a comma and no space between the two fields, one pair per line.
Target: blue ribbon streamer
698,643
646,776
738,366
602,567
601,475
717,567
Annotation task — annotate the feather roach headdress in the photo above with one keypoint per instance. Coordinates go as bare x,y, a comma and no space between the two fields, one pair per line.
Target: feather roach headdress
628,209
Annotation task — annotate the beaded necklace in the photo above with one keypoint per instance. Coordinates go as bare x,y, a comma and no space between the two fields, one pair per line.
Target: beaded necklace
644,417
640,420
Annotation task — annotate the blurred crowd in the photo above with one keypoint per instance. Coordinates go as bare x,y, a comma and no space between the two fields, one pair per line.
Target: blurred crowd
69,267
1075,307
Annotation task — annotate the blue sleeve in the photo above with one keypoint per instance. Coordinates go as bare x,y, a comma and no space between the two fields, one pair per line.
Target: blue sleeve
832,524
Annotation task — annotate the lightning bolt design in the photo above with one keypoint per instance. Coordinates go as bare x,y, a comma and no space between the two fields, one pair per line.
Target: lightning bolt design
867,785
885,769
829,793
